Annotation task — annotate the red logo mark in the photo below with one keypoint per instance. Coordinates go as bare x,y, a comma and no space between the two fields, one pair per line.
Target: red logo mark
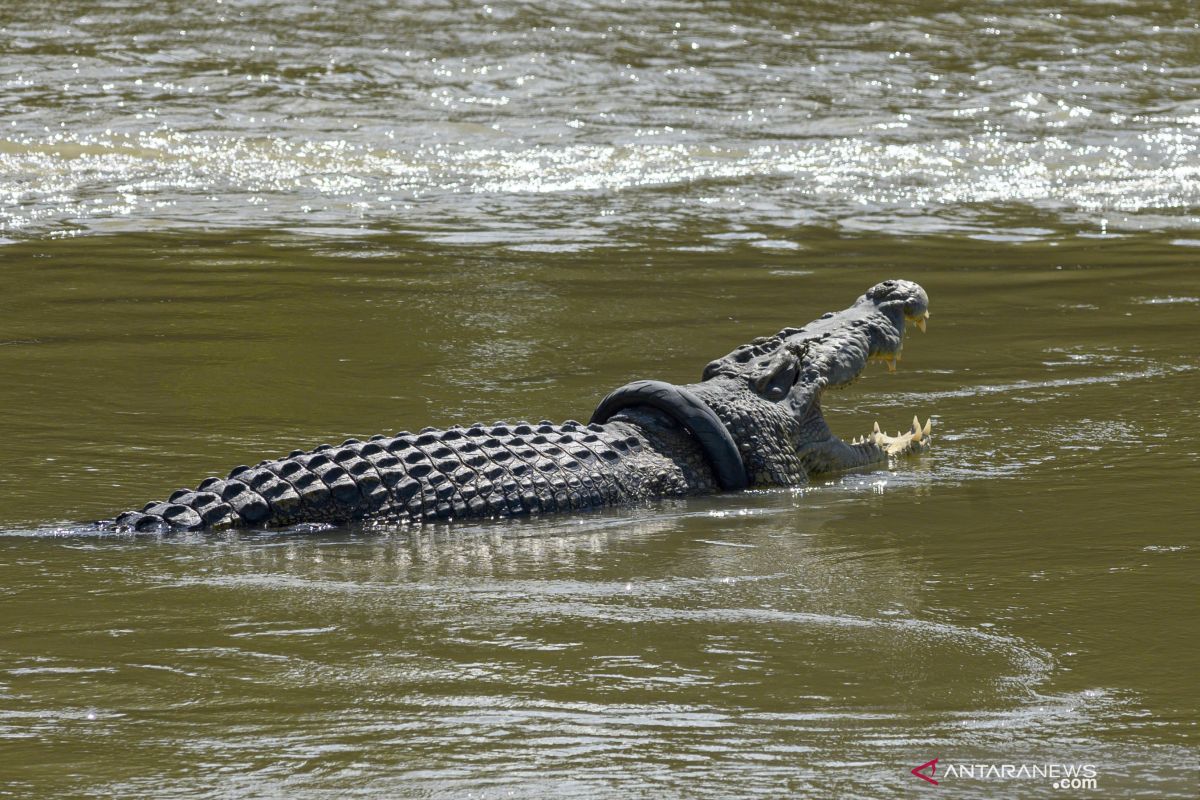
928,765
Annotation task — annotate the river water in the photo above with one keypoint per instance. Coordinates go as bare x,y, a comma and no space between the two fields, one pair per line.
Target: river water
231,229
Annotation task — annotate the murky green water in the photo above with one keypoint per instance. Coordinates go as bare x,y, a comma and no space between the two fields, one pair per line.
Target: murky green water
238,229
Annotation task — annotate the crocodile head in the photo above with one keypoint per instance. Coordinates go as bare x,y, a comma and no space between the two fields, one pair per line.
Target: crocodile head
791,371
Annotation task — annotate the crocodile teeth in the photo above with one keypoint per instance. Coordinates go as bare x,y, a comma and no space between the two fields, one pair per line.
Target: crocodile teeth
921,325
911,440
891,365
893,444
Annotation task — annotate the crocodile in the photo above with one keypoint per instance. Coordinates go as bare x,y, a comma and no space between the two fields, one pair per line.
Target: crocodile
753,420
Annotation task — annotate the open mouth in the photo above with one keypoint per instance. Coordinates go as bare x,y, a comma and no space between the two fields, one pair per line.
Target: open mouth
918,437
836,350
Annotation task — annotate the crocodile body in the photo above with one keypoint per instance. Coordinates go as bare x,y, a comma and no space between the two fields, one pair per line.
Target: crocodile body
753,420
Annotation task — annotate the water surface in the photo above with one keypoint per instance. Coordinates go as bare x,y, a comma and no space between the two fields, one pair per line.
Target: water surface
232,230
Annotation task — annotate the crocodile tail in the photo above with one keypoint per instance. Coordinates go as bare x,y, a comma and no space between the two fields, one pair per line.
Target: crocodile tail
502,470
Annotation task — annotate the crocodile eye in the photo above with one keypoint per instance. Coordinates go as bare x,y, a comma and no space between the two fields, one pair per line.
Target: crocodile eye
775,393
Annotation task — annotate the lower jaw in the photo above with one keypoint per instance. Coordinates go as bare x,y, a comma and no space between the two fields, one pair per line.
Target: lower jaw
915,439
831,455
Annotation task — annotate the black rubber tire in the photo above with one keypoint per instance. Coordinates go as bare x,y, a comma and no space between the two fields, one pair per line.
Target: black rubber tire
693,414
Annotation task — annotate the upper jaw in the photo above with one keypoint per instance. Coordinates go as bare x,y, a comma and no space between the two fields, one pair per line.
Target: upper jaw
797,364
